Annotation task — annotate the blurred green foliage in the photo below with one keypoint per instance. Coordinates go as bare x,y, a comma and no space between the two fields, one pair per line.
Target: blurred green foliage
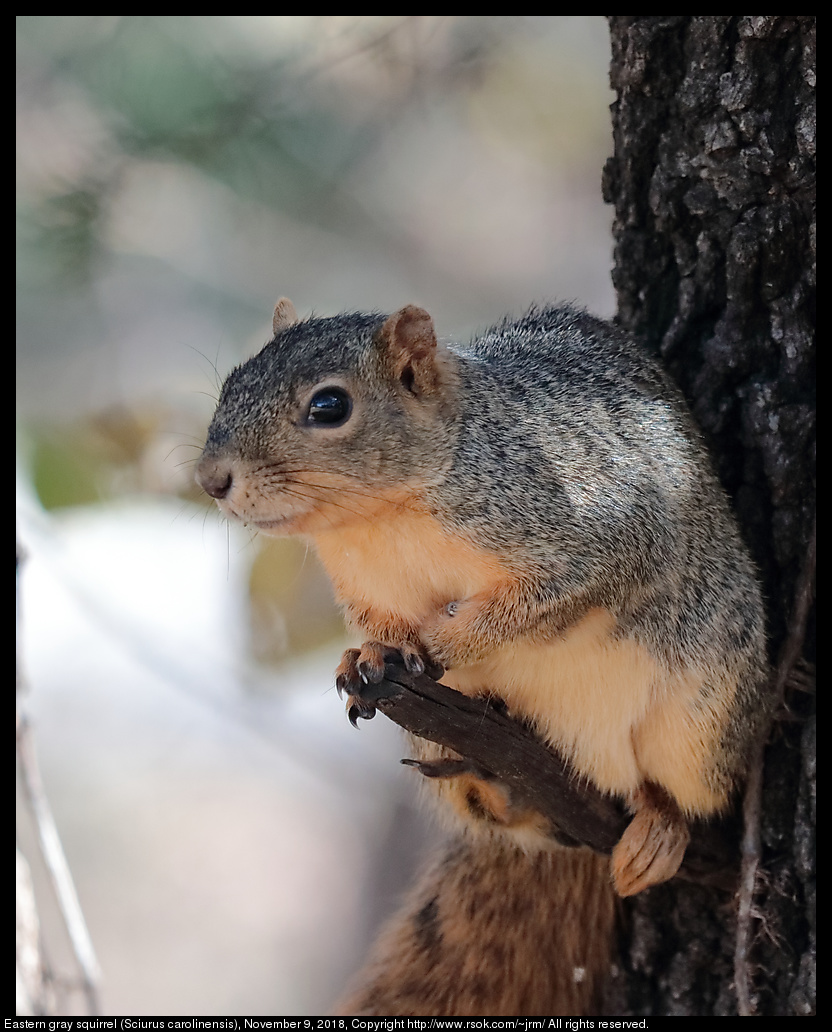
62,473
178,173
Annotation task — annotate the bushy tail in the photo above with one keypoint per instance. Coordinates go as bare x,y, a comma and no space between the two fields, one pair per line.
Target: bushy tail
491,930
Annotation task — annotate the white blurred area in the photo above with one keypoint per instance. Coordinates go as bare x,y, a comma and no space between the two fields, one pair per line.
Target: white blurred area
234,841
223,839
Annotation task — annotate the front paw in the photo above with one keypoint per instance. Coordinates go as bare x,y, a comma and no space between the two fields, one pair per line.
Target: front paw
361,671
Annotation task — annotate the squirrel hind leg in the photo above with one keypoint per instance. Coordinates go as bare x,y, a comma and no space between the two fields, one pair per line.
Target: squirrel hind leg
477,793
653,845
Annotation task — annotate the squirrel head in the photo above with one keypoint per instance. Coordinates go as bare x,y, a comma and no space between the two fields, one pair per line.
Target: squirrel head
333,419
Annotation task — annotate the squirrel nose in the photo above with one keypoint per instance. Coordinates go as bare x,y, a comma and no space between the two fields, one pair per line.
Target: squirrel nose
214,479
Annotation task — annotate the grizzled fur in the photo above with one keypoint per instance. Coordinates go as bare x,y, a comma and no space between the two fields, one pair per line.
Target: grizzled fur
631,505
535,513
579,466
490,930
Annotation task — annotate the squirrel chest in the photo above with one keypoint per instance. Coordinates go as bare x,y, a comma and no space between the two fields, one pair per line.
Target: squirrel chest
401,564
602,700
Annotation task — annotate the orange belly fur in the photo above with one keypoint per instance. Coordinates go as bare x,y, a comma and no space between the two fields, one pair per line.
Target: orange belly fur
604,702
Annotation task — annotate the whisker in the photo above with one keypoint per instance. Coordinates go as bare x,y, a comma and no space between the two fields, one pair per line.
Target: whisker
323,489
198,442
404,503
306,496
305,469
217,378
300,494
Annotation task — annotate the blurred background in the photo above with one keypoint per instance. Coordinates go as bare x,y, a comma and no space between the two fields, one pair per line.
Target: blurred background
233,840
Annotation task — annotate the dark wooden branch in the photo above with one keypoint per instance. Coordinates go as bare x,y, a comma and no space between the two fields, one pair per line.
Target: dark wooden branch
537,776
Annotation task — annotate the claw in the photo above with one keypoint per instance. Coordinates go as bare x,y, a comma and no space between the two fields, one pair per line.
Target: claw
371,671
344,685
434,670
413,661
357,710
413,664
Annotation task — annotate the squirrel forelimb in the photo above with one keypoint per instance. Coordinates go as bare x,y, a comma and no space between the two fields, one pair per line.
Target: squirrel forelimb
467,629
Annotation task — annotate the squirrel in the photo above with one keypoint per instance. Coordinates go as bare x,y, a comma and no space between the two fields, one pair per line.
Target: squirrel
534,514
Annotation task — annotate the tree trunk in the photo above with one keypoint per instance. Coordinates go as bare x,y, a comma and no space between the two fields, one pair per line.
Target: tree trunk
713,185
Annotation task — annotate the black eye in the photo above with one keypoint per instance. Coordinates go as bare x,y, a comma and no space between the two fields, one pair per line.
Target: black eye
330,406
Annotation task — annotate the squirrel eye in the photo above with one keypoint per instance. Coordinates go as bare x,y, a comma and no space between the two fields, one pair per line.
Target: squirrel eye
330,406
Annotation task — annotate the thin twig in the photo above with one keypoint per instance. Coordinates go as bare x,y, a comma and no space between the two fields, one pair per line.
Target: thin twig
52,850
33,989
751,848
57,866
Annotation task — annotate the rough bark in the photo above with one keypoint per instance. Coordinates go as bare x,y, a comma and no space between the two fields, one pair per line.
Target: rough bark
713,185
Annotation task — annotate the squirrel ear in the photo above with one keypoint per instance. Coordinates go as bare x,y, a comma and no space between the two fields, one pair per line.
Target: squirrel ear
410,340
284,315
